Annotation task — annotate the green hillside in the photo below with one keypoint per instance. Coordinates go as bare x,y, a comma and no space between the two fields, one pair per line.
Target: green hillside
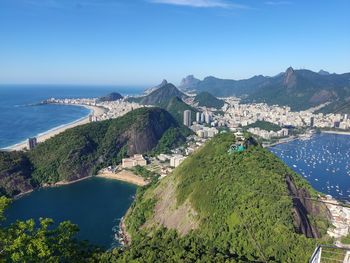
225,207
208,100
80,151
162,94
215,207
264,125
176,107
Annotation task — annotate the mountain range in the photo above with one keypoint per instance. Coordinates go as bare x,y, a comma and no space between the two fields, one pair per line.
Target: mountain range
168,97
299,89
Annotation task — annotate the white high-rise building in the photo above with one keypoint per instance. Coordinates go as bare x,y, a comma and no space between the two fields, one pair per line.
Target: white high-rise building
31,143
202,117
198,117
187,118
207,117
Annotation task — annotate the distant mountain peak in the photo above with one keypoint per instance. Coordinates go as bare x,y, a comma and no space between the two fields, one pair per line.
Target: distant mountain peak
161,94
162,84
189,82
323,72
289,78
290,70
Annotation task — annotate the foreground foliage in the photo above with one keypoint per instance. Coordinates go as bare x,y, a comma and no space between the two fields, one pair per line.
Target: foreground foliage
26,241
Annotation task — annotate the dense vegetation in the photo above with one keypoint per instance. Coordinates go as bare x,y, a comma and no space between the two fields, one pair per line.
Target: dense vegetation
162,94
242,203
208,100
15,171
176,107
346,240
80,151
111,97
171,139
27,241
168,97
264,125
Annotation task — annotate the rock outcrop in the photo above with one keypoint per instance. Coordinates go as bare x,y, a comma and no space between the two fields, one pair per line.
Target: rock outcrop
304,205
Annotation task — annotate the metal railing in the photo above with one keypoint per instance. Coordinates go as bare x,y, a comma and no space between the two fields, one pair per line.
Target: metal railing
330,254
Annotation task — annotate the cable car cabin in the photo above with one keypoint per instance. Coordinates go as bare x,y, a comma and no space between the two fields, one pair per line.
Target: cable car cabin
240,146
236,148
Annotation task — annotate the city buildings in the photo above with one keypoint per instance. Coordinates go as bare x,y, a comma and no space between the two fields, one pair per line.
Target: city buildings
31,143
187,118
137,159
198,117
176,160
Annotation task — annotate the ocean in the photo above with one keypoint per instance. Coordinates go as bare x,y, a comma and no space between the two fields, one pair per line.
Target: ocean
96,205
323,160
21,117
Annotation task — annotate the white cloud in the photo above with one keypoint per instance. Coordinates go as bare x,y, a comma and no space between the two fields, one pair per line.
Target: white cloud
200,3
278,3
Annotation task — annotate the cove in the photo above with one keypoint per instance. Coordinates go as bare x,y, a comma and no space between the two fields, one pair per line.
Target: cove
95,205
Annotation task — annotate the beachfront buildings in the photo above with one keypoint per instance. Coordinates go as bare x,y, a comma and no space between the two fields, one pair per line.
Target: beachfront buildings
31,143
187,118
137,159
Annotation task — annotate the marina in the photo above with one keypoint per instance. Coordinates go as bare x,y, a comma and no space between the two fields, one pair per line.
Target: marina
323,160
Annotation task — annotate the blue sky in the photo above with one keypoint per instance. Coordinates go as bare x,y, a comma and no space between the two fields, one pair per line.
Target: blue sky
140,42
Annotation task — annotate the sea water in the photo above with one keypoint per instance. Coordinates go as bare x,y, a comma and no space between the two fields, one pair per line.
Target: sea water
96,205
22,117
323,160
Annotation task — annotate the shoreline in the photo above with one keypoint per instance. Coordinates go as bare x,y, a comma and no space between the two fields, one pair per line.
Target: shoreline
58,184
41,137
336,132
291,139
124,176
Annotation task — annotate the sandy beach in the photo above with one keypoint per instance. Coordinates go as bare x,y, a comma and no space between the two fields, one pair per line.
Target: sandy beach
96,111
125,176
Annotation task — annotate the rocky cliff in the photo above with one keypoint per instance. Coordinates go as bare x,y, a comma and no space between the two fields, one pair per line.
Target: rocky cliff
80,151
305,206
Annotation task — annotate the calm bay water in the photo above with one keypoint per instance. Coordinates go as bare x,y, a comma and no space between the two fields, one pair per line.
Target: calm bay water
95,204
22,118
324,161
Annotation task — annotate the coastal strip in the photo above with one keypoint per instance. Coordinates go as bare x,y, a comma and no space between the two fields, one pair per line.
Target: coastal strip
58,184
94,110
125,176
336,132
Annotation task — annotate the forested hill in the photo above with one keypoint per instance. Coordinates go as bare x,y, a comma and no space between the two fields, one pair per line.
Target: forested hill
208,100
111,97
160,95
218,206
176,107
214,207
80,151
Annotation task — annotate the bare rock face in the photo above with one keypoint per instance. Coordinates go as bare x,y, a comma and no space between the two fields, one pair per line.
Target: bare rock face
302,207
290,78
144,134
188,83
